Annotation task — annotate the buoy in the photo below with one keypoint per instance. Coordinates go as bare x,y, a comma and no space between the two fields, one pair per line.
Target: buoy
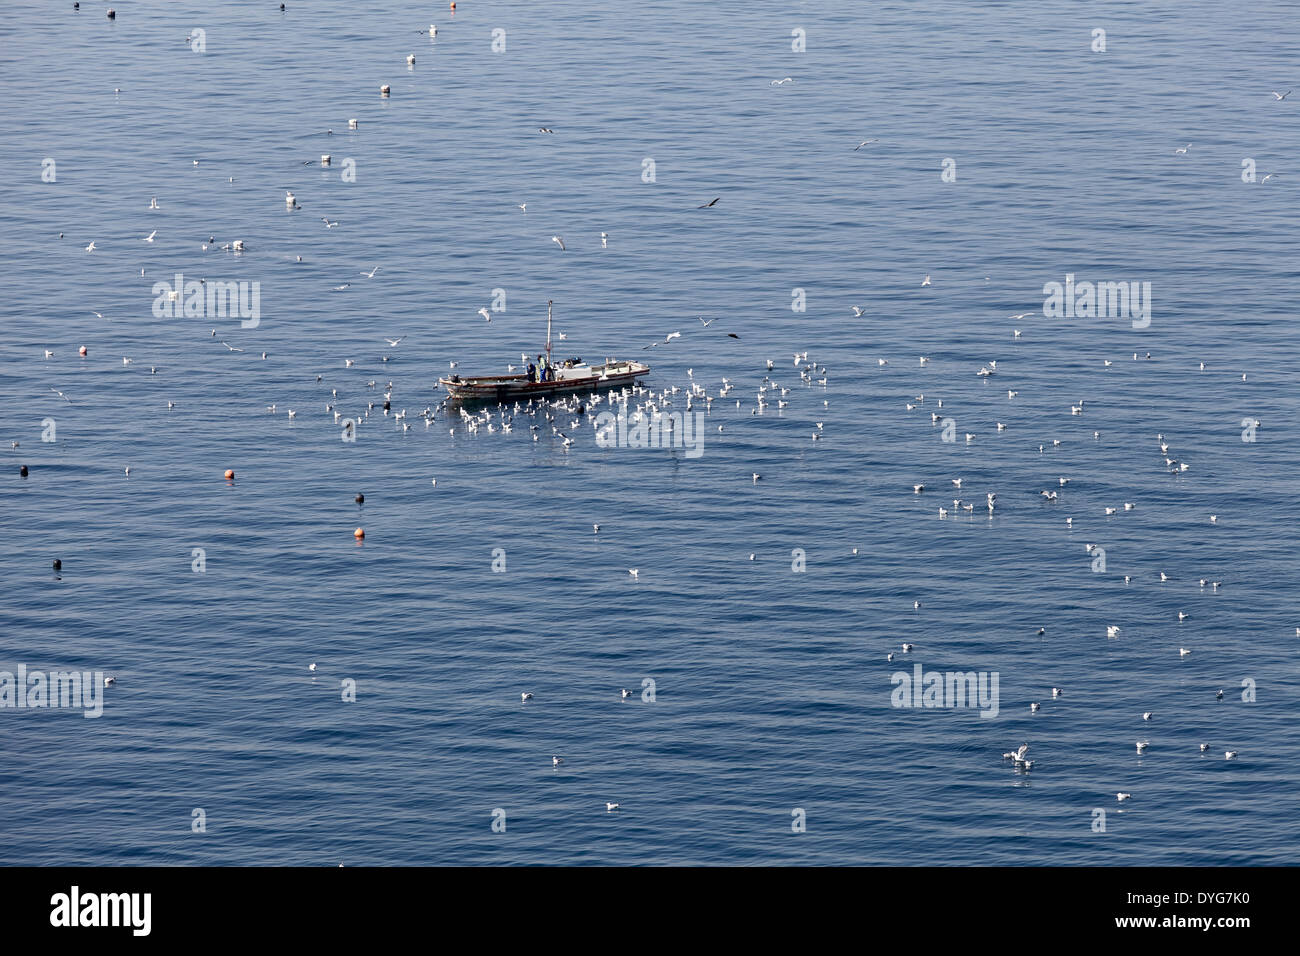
359,533
58,565
82,351
230,474
325,159
384,89
22,471
352,124
360,499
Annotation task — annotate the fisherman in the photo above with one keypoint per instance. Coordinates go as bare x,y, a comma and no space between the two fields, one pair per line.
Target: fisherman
532,373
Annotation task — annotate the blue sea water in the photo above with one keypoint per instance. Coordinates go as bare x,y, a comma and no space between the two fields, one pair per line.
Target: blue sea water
772,688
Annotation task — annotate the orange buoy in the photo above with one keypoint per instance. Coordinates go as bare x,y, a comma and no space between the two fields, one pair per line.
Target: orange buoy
359,533
82,351
230,473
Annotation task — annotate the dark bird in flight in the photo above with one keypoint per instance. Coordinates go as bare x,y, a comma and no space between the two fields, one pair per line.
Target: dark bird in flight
708,204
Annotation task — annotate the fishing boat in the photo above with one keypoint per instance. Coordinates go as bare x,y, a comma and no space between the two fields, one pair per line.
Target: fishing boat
568,377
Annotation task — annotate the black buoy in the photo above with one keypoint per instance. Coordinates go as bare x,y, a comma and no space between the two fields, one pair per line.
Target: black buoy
22,471
360,499
58,565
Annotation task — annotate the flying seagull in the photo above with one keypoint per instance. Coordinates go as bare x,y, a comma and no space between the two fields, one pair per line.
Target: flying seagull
713,202
231,347
393,342
487,316
60,394
558,241
149,238
865,142
1183,151
1281,96
371,273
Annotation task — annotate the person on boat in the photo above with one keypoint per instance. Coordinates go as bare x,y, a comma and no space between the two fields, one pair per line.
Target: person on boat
532,373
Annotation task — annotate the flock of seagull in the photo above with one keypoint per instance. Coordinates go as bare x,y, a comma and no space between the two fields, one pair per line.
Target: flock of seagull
563,419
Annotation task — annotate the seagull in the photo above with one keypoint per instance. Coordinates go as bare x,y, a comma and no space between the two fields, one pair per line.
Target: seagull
611,807
907,648
756,476
393,342
1056,692
91,247
1035,708
1183,151
558,241
925,282
1219,695
524,207
311,667
60,394
100,314
625,693
1281,96
149,238
556,761
1121,796
486,314
1148,715
1183,652
1229,754
711,202
857,312
153,203
1112,630
604,240
328,223
781,81
635,572
1017,755
595,529
545,129
865,142
525,696
1143,745
231,347
1204,747
371,273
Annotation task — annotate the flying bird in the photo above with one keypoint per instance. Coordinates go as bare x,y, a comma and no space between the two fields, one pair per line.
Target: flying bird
865,142
149,238
1281,96
558,241
712,202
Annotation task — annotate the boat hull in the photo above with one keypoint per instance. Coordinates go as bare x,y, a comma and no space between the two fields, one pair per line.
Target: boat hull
513,388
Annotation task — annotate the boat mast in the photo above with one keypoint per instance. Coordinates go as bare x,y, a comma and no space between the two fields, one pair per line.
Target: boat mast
548,331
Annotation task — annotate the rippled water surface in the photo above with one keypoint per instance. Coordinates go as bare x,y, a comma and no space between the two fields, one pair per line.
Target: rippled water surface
772,690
